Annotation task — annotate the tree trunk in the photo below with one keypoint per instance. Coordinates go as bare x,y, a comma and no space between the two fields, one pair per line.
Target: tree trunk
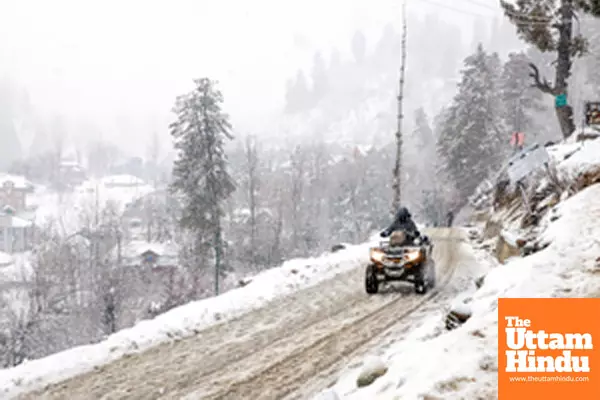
217,247
563,67
252,161
565,119
275,253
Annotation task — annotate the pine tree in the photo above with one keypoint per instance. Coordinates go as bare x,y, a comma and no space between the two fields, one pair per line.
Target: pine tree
200,173
549,25
521,100
422,141
422,134
444,180
472,136
252,185
424,160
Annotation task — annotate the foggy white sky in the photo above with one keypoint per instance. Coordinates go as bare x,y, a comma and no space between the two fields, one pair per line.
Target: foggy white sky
96,60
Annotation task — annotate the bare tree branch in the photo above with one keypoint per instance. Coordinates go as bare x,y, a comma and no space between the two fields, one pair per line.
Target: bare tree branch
543,84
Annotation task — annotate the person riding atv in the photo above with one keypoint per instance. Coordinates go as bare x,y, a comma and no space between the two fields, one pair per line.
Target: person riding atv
403,222
406,256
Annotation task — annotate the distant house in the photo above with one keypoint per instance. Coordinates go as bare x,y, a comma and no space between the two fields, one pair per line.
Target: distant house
150,270
122,181
16,234
12,195
16,218
151,256
16,183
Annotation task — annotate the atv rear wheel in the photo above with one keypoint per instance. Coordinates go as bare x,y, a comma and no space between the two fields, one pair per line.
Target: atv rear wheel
431,271
421,285
371,283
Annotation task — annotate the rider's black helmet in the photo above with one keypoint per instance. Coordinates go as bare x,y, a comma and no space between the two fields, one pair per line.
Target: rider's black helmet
403,215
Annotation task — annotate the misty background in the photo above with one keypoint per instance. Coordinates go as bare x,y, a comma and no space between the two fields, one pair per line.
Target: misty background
113,69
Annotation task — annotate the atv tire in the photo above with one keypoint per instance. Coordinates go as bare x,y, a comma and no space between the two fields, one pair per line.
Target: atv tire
421,284
431,274
371,283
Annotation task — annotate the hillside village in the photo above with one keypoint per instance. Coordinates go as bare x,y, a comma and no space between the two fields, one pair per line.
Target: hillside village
94,225
23,210
113,242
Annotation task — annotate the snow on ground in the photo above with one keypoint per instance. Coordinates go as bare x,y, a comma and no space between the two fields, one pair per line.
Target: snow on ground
462,363
184,321
577,157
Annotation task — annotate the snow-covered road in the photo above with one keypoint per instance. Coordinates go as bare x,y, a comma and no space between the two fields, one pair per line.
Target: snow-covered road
268,353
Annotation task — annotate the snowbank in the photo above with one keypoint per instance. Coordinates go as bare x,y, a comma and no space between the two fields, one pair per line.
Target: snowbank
463,363
183,321
577,158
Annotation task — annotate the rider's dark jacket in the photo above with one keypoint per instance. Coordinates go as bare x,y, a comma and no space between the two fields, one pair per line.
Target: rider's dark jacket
402,222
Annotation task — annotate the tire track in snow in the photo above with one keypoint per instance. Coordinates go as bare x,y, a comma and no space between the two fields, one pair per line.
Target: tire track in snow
288,374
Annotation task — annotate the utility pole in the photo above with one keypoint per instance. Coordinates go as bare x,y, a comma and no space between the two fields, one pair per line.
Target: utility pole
397,183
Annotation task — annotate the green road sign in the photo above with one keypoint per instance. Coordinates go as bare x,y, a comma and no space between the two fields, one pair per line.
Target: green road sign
560,100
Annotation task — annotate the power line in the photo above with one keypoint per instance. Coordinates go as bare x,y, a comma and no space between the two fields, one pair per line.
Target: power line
484,5
441,5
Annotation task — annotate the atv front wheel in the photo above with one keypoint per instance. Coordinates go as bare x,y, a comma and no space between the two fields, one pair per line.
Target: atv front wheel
371,283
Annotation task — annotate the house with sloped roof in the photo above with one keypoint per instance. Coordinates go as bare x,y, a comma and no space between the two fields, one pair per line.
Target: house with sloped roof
16,217
16,182
151,255
16,233
12,195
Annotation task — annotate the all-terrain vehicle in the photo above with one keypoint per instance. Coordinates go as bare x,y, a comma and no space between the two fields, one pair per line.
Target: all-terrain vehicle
399,259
